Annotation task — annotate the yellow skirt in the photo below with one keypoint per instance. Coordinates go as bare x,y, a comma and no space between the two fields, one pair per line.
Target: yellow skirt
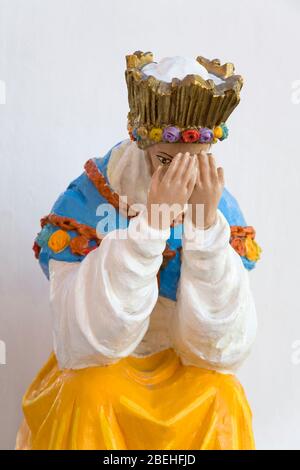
138,403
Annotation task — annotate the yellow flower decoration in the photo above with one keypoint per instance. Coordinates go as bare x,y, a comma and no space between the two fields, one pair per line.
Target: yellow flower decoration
59,240
253,250
156,134
218,132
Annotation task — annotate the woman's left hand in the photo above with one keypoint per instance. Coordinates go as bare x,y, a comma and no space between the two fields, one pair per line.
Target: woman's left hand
207,190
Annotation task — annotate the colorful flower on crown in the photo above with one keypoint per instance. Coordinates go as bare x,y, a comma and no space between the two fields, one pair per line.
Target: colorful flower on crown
206,136
142,132
135,134
156,134
59,240
190,135
171,134
218,132
225,131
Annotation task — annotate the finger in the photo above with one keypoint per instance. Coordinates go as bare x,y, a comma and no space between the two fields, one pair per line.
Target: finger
172,168
190,170
221,178
155,180
191,183
212,167
203,167
198,181
180,169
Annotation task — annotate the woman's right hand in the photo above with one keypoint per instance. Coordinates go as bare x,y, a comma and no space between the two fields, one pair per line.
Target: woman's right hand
170,190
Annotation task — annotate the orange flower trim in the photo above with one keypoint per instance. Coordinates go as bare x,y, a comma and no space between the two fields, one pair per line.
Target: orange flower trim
168,254
99,181
253,250
239,245
238,231
79,245
242,240
59,240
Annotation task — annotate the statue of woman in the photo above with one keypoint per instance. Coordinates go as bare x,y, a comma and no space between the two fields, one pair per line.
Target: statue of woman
151,303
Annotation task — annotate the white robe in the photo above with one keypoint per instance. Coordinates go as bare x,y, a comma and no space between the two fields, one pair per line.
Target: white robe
108,306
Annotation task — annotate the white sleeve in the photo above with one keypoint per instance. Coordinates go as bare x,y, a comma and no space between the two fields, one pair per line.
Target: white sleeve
101,306
215,318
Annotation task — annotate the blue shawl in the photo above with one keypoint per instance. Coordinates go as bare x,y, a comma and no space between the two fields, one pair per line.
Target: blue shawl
80,202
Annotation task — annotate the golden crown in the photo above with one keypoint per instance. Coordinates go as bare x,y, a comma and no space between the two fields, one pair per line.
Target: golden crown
187,110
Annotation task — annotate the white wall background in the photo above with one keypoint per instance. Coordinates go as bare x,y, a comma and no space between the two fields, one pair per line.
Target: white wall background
63,64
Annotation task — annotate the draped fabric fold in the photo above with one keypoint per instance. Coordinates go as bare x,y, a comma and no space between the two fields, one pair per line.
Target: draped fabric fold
154,402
